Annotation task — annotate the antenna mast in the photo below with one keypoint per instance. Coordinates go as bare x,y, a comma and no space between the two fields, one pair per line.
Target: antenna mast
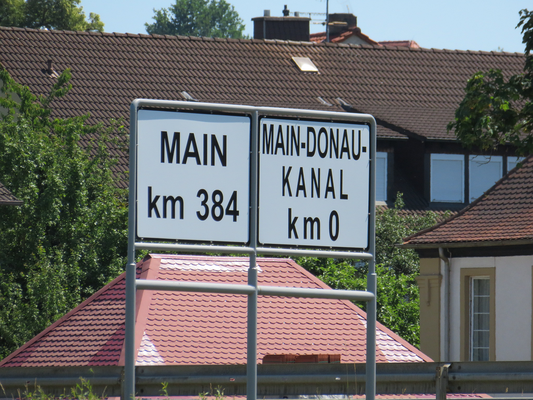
327,21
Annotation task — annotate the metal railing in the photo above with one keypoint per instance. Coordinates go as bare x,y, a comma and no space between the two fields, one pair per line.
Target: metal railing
279,380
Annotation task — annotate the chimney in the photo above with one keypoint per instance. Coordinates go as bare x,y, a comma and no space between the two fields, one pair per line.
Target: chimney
283,28
340,22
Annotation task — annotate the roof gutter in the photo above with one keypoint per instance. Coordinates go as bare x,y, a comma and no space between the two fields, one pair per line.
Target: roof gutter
446,336
463,245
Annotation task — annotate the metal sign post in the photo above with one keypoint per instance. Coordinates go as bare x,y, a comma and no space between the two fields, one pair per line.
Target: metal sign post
200,172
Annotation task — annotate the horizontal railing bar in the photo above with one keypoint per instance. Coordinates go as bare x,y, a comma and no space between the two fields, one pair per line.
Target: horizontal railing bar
509,377
195,248
315,293
490,376
194,287
143,284
60,381
314,253
283,378
233,108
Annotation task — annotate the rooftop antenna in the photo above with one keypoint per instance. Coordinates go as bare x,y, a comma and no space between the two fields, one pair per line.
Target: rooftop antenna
327,21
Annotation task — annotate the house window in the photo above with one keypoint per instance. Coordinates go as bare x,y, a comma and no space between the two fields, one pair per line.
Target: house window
447,178
478,314
381,176
479,318
484,172
513,161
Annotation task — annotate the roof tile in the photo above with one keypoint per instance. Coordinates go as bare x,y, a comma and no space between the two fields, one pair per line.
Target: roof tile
208,328
503,214
7,198
410,90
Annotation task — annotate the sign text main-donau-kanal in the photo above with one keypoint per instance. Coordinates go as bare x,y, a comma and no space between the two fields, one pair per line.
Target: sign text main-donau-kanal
314,183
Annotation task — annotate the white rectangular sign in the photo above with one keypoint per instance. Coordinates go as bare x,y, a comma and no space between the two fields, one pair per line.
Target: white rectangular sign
314,183
193,179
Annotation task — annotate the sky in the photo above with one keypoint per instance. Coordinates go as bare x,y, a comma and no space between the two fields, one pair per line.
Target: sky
450,24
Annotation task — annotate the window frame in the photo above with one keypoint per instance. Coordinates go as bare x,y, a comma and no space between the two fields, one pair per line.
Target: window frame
432,186
481,159
475,303
513,160
385,156
466,315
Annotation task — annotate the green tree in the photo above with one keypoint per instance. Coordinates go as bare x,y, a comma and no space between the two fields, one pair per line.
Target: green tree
498,110
69,237
49,14
210,18
398,305
12,13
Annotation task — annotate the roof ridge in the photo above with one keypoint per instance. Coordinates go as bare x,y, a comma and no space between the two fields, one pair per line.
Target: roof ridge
265,41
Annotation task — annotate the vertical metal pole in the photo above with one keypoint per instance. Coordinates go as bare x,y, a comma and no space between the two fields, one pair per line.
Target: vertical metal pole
129,368
327,21
372,278
251,355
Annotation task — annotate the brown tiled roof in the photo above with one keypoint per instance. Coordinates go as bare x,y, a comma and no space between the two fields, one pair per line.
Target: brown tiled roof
502,216
7,198
409,91
400,43
347,33
341,36
176,328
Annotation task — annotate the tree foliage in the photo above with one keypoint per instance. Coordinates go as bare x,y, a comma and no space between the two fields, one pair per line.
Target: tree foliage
210,18
398,305
498,110
69,237
49,14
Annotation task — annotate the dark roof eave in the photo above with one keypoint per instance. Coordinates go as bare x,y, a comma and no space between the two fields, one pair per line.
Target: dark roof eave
463,245
11,203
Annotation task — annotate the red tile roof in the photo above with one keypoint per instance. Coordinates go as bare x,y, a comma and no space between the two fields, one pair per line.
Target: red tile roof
400,43
174,328
503,215
7,198
342,36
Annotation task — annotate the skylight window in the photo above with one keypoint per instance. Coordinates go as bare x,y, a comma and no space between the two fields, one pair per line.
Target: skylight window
305,64
187,96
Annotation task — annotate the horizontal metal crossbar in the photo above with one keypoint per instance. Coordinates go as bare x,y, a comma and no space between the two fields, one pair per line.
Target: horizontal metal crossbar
195,248
359,295
248,250
315,293
280,379
177,286
273,111
314,253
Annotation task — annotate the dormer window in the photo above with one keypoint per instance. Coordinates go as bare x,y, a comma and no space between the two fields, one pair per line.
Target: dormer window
513,162
447,178
484,172
381,176
459,178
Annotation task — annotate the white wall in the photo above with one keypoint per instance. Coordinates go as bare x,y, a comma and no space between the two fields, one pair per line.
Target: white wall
513,276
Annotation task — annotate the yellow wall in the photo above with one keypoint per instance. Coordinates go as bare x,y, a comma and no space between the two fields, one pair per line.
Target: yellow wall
429,283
